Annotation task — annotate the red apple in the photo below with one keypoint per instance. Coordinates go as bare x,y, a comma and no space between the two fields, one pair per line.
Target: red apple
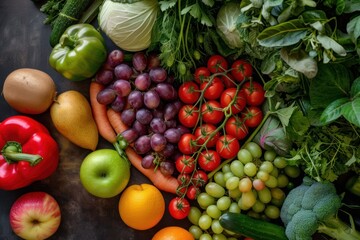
35,215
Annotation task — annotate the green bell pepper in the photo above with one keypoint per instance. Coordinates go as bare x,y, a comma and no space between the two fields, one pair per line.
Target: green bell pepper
80,53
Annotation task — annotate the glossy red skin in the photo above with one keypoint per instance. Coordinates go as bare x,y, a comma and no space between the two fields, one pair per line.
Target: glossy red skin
227,146
209,160
227,97
188,92
34,139
187,144
255,93
212,90
200,178
185,164
252,116
179,208
212,112
236,127
241,70
201,74
192,192
188,115
203,132
217,64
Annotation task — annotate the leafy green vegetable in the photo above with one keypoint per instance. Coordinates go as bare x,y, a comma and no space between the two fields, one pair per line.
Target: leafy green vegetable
52,8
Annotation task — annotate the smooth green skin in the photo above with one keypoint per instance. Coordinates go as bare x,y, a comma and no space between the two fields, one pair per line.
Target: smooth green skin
105,174
80,52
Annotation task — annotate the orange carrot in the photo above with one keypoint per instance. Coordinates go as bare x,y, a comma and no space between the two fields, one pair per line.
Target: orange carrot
99,112
162,182
115,121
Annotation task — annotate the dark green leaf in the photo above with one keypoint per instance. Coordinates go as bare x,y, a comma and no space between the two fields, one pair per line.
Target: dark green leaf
313,16
165,5
209,3
332,82
195,11
283,34
352,6
355,88
353,28
300,61
333,110
351,111
284,114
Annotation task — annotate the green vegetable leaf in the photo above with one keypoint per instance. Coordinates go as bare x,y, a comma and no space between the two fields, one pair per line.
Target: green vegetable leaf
283,34
195,11
300,61
333,110
313,16
209,3
284,114
352,6
353,28
165,5
205,19
332,82
351,111
355,88
329,43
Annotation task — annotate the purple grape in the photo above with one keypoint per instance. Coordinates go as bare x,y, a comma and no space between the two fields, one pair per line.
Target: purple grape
166,91
130,135
104,76
142,81
157,142
140,128
122,87
115,57
142,144
135,99
123,71
183,129
168,151
128,116
158,112
158,75
170,111
118,104
144,116
170,79
167,168
106,96
151,99
153,60
148,161
157,125
172,135
139,61
172,123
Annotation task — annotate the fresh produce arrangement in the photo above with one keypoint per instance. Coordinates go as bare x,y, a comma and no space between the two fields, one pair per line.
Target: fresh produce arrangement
246,112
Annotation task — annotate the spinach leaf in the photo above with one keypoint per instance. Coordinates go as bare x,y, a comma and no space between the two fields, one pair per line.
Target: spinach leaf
333,111
351,111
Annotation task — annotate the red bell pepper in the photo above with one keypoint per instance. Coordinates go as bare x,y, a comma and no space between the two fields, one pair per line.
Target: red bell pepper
28,152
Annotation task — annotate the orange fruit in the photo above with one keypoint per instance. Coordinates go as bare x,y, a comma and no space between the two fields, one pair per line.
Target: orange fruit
141,206
173,233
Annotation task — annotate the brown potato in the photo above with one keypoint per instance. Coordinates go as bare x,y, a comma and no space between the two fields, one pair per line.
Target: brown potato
29,91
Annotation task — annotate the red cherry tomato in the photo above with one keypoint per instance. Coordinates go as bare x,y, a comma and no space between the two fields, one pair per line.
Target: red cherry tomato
227,146
206,133
189,92
217,63
212,90
183,178
179,208
192,192
255,94
241,70
252,116
236,127
209,160
228,80
188,115
187,144
185,164
201,74
227,98
199,178
212,112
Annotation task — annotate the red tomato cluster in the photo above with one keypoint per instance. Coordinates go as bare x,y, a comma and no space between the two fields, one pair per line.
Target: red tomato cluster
220,107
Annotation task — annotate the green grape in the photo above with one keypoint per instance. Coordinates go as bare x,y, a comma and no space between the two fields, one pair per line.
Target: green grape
205,200
277,193
232,183
283,180
196,231
194,215
237,168
215,190
264,195
248,200
213,211
234,208
223,203
258,206
205,222
226,168
277,202
250,169
271,182
205,236
219,178
254,149
234,193
292,171
216,227
245,184
269,155
219,236
272,212
263,176
275,172
244,156
228,175
266,166
280,162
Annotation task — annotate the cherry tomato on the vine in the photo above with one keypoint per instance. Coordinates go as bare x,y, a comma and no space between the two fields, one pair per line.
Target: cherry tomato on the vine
228,80
188,115
212,112
192,192
199,178
252,116
236,127
255,93
209,160
241,70
212,90
206,133
227,97
189,92
201,74
179,208
227,146
217,63
187,144
183,178
185,164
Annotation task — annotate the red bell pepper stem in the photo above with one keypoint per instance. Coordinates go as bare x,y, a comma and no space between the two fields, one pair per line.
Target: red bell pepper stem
12,152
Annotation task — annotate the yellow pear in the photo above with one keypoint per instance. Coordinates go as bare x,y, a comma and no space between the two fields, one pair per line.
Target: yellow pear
72,116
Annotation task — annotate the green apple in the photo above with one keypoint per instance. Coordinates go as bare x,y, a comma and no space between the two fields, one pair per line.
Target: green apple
105,174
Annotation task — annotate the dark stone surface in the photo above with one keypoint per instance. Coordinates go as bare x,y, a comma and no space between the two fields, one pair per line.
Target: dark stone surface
24,42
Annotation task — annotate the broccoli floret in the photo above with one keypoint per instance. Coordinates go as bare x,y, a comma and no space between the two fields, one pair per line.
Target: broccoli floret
312,207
